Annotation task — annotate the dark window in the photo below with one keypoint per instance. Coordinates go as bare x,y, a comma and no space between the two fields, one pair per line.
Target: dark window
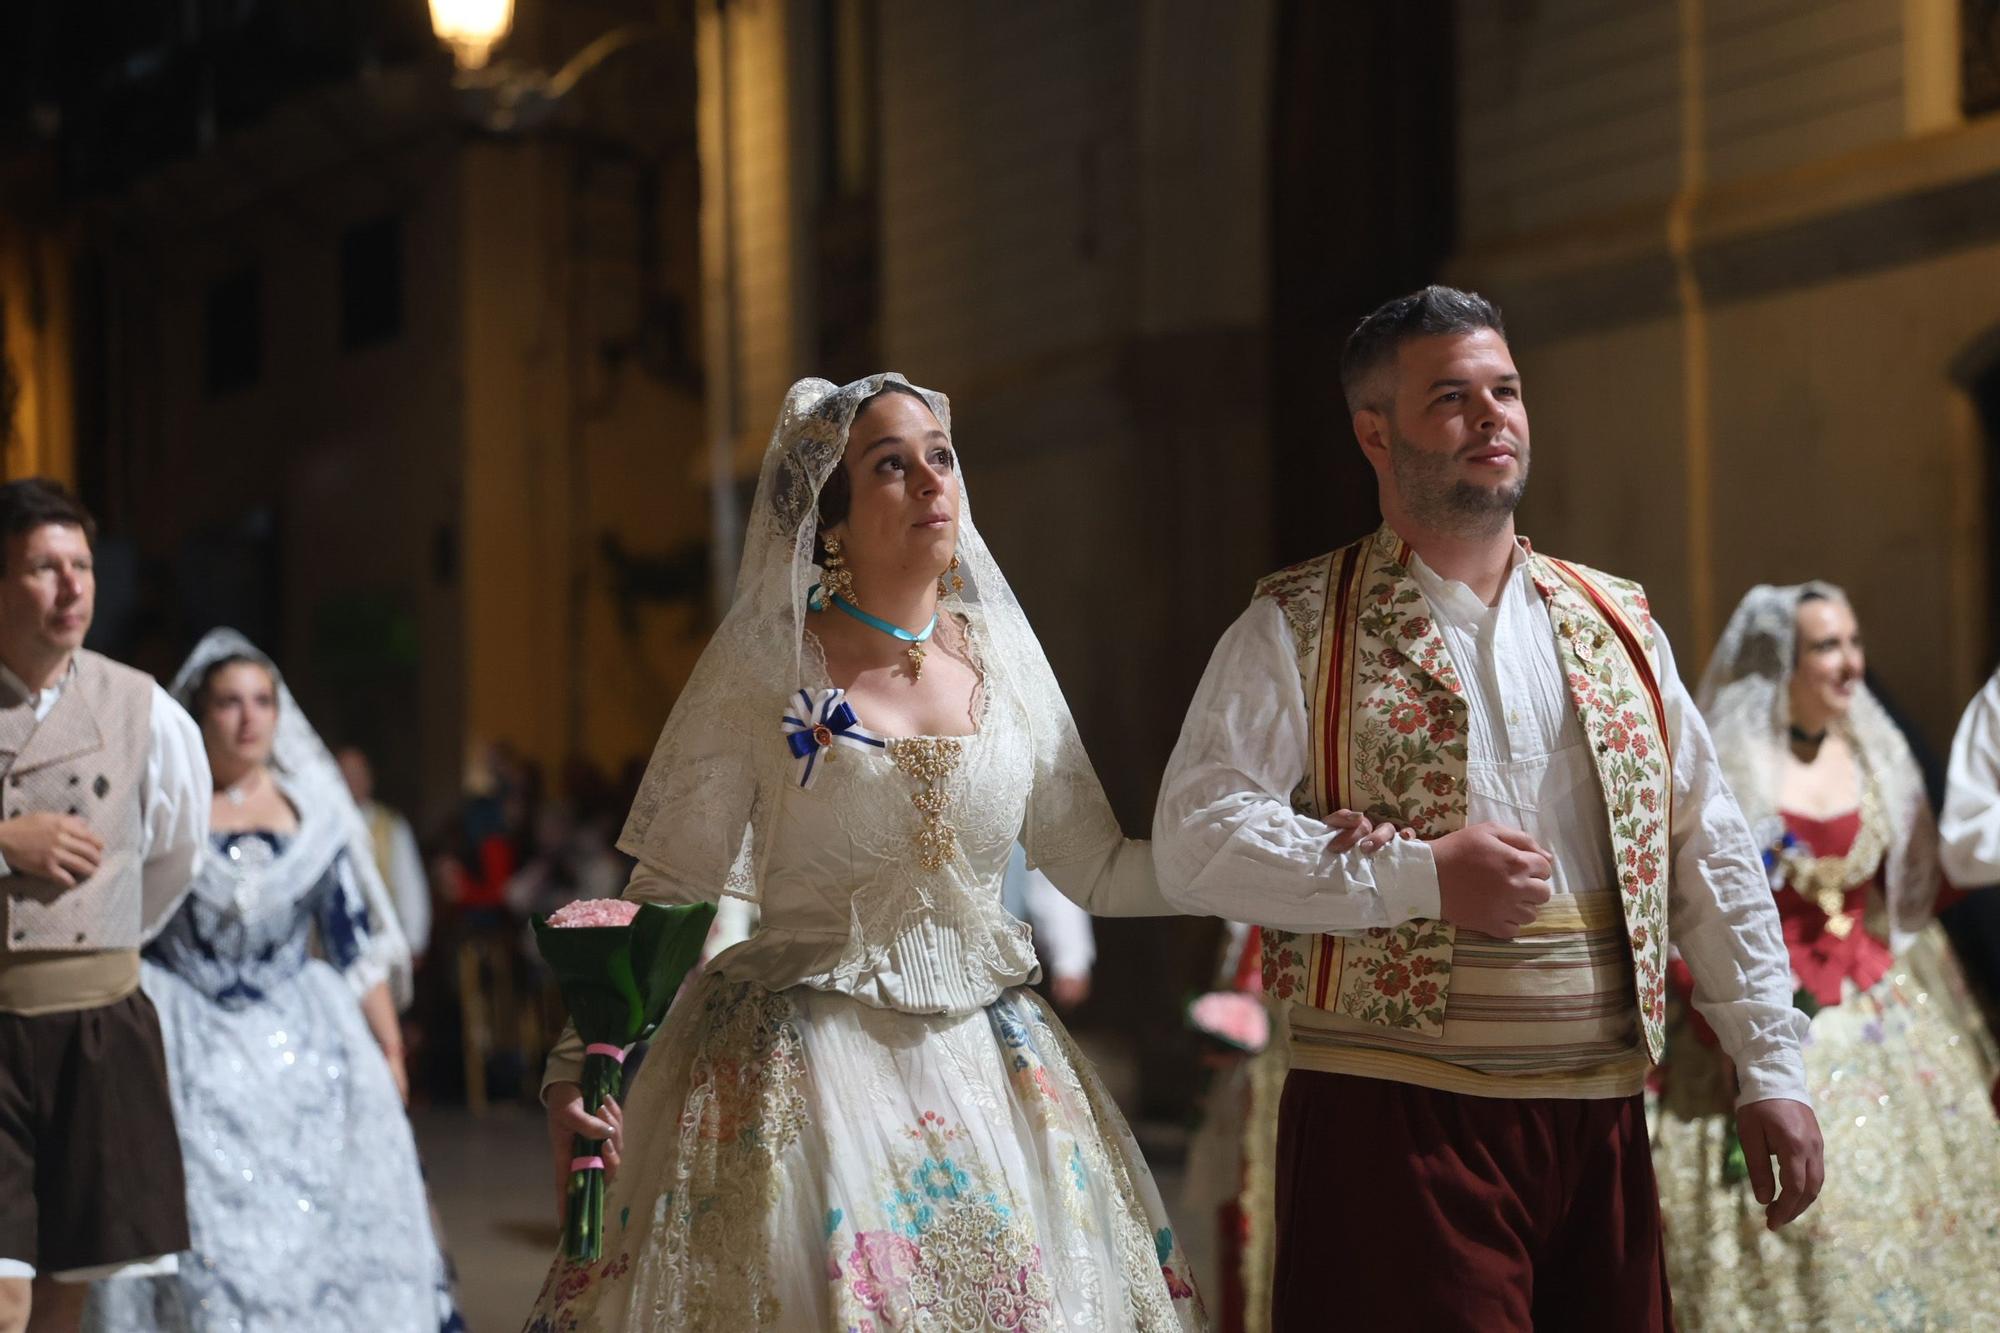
1979,43
233,332
371,283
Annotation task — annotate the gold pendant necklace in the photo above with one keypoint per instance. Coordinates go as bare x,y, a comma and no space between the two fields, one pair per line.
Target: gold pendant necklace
915,652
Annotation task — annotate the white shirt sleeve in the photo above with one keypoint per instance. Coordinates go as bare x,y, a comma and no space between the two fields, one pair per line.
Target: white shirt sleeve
408,884
174,804
1062,929
1969,829
1722,917
1226,840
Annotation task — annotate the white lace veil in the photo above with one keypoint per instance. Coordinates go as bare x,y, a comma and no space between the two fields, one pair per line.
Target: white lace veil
329,820
1745,695
699,816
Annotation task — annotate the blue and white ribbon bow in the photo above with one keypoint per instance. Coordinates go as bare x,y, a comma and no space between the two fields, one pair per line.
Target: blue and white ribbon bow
819,720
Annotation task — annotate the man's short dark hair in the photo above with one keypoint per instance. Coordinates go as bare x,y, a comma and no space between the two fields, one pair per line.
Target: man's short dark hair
34,502
1422,314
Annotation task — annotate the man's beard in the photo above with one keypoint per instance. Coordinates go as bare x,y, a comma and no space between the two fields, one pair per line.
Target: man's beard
1447,503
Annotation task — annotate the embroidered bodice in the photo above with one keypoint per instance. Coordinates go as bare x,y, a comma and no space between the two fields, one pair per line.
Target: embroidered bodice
1830,881
237,947
883,877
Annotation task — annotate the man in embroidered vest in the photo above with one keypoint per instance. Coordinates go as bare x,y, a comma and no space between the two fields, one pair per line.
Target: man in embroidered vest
1462,786
104,800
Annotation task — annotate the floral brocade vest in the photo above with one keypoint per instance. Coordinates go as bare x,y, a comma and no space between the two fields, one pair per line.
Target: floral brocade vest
1388,732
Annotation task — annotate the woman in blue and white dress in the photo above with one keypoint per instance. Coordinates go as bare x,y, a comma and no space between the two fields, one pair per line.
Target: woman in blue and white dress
862,1117
275,982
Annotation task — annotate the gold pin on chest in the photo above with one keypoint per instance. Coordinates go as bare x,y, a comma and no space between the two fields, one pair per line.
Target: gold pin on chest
930,760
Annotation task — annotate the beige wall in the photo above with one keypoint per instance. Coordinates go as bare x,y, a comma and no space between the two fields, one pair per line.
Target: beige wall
1565,107
1074,222
466,471
35,303
1841,449
1785,81
348,451
561,450
1754,382
1570,109
518,504
1840,454
762,286
1608,483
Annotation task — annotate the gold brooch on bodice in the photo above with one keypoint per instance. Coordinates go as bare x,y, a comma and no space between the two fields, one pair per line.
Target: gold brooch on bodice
1824,881
930,760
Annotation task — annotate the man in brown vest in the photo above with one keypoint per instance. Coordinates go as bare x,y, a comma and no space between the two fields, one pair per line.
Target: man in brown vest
1472,1009
104,799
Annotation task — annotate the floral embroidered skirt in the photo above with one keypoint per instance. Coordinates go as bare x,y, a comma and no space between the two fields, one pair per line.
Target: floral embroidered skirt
799,1160
1906,1233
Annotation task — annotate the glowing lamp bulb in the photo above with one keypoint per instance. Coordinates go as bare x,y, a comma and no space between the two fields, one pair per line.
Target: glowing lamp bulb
472,28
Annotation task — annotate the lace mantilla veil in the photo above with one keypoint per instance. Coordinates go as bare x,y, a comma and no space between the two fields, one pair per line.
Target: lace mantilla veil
329,820
700,816
1746,698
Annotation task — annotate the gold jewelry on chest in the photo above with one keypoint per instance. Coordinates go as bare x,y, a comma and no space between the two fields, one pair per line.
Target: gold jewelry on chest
930,760
1824,881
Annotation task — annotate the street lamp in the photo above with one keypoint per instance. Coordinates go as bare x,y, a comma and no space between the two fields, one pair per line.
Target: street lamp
472,28
506,97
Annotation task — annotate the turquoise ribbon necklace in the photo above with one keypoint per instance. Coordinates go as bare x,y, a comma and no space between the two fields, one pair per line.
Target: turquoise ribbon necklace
916,641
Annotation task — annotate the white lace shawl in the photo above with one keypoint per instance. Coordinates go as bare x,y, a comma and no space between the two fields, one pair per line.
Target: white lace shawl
1745,696
699,820
329,822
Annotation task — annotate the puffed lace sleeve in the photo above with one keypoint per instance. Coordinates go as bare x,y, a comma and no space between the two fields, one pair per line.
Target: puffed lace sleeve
692,825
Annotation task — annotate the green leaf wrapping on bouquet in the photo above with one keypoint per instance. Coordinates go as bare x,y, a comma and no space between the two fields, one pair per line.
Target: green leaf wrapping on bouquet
618,981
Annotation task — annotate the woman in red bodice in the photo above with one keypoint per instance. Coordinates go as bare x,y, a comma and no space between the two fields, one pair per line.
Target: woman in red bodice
1907,1230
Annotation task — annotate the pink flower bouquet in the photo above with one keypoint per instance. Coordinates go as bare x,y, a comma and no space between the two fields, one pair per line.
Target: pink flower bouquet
618,964
1237,1020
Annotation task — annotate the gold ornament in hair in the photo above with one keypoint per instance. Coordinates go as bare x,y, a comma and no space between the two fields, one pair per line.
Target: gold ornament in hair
838,579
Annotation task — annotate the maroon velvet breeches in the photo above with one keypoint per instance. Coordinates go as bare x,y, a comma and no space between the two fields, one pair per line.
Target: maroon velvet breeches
1403,1207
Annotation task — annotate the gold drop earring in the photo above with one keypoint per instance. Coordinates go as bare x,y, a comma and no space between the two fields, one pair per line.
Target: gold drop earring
838,579
949,582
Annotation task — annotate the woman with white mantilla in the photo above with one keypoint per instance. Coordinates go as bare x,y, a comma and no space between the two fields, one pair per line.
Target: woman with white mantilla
861,1117
276,983
1907,1232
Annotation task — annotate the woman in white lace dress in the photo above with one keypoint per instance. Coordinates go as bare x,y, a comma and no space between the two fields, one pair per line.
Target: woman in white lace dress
861,1118
276,982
